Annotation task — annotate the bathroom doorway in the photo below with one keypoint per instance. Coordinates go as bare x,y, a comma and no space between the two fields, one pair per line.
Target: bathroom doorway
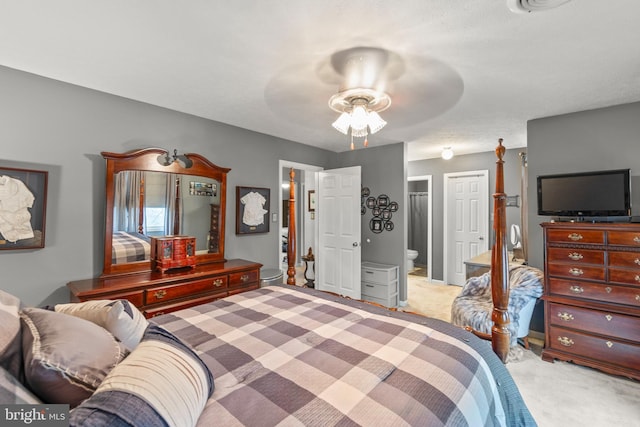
420,225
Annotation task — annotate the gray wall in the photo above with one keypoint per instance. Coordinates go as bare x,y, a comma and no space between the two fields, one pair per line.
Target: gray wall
606,138
61,128
384,172
480,161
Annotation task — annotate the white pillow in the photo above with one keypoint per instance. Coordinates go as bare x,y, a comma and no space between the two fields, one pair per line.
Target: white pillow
162,382
120,317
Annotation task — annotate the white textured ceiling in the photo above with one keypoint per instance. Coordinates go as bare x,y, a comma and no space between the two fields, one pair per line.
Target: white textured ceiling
473,70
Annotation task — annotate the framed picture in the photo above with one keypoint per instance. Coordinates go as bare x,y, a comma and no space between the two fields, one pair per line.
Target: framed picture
252,210
312,200
23,206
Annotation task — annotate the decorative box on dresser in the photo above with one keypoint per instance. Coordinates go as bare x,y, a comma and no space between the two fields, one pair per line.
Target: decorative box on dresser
592,295
156,293
380,283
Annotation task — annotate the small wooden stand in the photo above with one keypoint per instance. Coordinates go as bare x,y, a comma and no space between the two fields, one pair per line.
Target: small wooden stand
173,252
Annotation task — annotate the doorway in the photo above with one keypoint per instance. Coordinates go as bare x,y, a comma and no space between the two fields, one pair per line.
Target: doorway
420,224
466,225
306,231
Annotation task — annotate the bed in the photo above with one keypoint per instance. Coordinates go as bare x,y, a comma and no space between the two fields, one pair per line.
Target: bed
130,247
279,355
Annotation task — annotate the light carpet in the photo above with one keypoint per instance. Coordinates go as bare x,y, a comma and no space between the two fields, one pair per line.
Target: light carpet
557,394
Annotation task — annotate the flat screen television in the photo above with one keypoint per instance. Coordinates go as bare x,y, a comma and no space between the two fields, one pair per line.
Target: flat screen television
586,194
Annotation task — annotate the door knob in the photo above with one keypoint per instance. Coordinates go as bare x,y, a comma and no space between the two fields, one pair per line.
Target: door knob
355,244
480,238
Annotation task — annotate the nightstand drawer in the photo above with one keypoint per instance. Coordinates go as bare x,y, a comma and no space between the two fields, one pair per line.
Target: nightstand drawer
576,271
378,273
378,290
575,236
595,321
385,302
576,256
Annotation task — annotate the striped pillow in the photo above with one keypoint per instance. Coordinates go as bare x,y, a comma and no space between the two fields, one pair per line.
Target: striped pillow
162,382
120,317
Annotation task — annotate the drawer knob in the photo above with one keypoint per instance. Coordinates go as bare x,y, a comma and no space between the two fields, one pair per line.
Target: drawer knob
637,261
576,289
636,239
637,297
576,256
575,237
160,294
218,282
244,277
577,272
608,289
609,344
158,313
608,317
566,341
637,278
567,317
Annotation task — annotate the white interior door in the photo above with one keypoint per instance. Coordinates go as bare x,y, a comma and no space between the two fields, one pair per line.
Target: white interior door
466,221
338,212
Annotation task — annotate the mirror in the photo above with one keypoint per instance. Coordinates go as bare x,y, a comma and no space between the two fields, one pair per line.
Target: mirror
146,197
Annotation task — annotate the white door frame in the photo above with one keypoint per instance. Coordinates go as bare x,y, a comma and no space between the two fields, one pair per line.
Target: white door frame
307,168
484,178
429,179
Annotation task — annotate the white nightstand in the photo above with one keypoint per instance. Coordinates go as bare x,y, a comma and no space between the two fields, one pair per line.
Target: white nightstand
380,283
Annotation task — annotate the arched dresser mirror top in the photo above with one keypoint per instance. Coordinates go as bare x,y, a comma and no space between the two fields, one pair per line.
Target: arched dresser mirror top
150,192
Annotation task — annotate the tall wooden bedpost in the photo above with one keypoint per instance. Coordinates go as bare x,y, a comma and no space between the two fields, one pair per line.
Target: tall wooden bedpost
291,235
500,264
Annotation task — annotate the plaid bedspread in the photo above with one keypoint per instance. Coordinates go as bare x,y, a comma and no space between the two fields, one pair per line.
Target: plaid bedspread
129,247
294,356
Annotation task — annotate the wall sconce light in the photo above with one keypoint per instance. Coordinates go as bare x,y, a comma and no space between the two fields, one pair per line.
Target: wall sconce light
447,153
166,159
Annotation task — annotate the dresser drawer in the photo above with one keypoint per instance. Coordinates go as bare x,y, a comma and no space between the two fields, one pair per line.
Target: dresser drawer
167,293
629,277
576,256
599,292
576,271
244,288
378,290
625,259
595,321
136,298
243,278
168,308
603,349
624,238
575,236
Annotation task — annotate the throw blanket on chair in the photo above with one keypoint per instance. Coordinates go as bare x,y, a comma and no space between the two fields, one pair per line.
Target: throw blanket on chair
474,305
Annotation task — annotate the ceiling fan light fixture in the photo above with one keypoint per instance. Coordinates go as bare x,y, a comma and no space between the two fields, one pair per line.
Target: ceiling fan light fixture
359,110
342,123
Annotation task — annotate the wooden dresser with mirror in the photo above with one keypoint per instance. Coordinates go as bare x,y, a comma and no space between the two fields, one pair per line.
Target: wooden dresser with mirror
150,194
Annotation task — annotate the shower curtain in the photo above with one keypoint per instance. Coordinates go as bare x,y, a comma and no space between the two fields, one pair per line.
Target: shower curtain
418,211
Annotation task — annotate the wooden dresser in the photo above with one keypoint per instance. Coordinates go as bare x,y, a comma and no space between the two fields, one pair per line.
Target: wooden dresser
156,293
592,295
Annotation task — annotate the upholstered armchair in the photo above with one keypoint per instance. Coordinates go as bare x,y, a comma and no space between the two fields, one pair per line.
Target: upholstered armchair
473,306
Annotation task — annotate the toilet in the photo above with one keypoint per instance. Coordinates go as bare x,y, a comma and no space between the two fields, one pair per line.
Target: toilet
411,256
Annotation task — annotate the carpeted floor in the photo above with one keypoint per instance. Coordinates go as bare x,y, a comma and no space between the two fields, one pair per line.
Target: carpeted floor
557,394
